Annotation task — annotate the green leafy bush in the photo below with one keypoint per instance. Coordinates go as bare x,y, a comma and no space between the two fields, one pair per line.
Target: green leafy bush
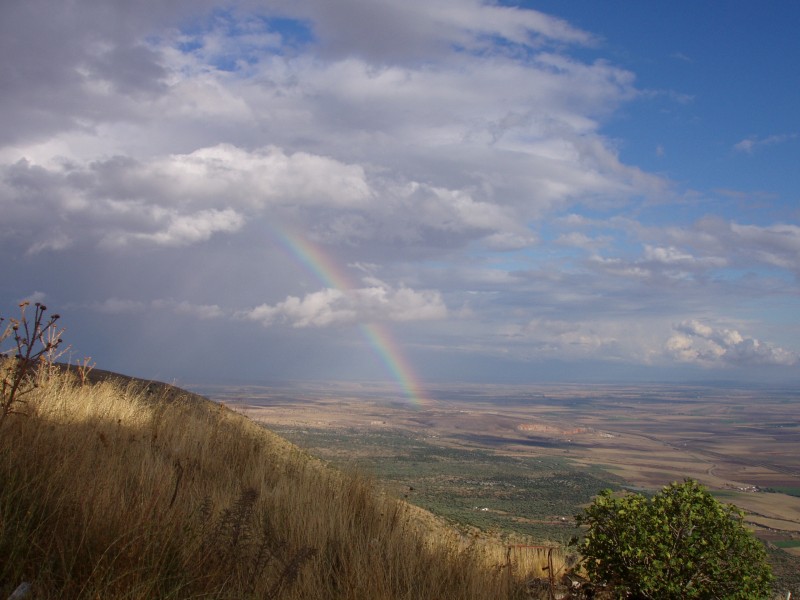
682,543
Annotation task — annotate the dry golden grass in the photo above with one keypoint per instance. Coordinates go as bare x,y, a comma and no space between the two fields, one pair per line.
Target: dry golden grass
108,492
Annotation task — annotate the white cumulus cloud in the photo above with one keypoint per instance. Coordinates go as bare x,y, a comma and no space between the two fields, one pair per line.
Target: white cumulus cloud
702,344
377,302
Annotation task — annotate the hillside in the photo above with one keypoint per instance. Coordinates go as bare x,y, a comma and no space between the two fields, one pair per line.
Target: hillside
117,488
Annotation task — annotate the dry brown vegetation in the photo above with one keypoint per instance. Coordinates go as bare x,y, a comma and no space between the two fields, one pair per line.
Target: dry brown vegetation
114,491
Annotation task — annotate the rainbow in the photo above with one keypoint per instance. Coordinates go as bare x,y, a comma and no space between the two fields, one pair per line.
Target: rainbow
376,334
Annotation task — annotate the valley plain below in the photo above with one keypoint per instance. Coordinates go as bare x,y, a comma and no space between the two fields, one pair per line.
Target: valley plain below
526,458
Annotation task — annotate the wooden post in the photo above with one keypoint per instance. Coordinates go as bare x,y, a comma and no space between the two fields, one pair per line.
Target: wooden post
551,577
509,580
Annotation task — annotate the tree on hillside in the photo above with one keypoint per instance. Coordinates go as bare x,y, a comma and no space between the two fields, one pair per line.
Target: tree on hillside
681,543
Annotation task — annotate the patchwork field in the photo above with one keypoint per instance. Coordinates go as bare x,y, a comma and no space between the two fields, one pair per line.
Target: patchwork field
526,458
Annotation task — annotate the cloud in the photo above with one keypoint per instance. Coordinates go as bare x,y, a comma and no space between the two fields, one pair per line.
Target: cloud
365,144
35,297
702,248
699,343
671,256
181,230
681,56
423,29
567,338
66,66
749,145
153,153
55,242
121,306
197,311
659,262
330,306
574,337
173,200
776,245
226,175
185,199
578,239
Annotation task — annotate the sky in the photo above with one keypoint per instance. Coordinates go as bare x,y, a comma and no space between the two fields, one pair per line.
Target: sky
417,192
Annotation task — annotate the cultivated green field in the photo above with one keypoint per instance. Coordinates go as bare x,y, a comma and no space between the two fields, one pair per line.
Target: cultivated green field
537,496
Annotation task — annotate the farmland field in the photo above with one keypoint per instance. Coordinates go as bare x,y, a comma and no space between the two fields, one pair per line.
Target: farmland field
525,458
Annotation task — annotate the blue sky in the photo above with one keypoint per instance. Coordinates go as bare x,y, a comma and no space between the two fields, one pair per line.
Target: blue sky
736,67
536,191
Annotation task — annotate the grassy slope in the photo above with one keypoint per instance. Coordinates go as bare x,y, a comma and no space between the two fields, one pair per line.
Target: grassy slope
119,490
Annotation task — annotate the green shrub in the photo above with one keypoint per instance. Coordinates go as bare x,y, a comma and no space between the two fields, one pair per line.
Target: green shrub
682,543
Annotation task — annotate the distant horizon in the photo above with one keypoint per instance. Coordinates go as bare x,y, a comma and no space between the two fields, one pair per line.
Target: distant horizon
415,191
789,386
699,378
